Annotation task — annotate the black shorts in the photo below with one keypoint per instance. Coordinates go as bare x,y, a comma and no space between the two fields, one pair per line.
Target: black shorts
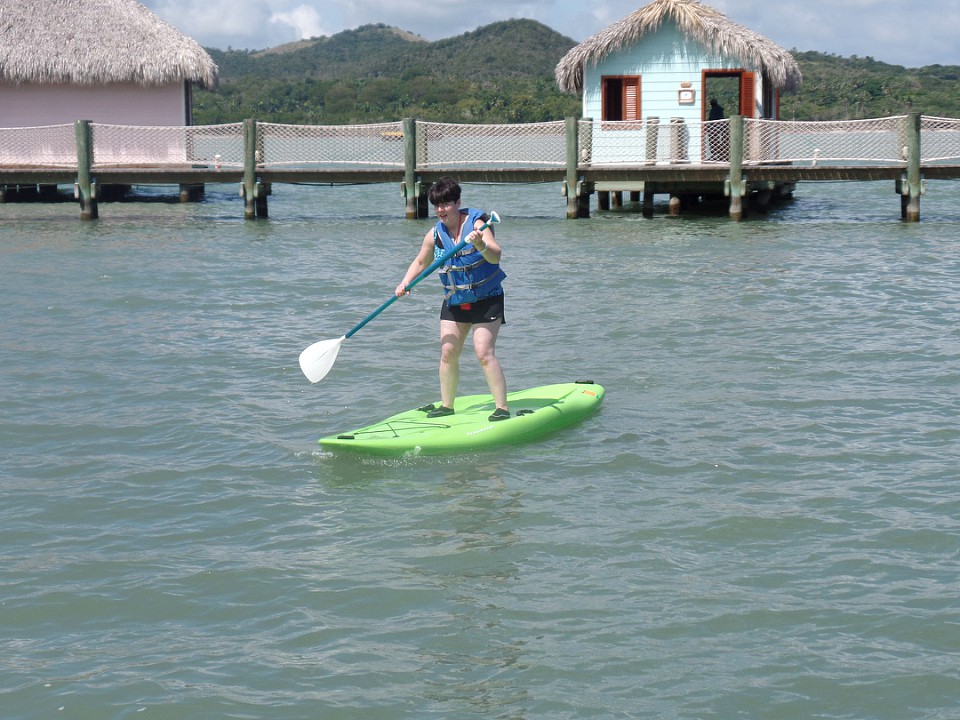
487,310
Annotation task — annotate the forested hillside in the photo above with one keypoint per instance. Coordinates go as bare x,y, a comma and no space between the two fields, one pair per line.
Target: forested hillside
503,73
836,88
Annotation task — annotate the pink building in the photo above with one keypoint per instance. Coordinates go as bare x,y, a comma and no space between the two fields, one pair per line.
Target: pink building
107,61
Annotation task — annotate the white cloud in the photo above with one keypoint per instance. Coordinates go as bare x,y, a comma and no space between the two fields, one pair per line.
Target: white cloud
304,19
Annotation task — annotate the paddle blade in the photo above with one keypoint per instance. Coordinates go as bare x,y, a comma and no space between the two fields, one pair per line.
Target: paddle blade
317,360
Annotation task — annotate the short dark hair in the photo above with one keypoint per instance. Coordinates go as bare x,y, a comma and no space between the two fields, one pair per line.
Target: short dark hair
444,190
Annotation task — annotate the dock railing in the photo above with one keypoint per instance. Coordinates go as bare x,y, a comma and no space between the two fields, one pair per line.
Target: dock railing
133,146
881,140
378,145
53,146
540,145
939,139
412,152
659,141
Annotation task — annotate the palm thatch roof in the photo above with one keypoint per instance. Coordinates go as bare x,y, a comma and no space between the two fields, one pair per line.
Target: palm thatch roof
93,42
702,23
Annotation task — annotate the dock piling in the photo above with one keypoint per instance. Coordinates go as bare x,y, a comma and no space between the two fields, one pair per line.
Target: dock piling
85,187
254,196
911,187
736,182
572,184
414,207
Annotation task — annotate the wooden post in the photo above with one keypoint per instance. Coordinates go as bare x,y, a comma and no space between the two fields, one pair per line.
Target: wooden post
191,192
910,210
574,205
411,188
737,187
86,189
254,199
583,202
647,210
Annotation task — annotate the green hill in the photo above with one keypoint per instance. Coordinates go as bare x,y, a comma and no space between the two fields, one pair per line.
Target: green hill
836,88
498,73
503,73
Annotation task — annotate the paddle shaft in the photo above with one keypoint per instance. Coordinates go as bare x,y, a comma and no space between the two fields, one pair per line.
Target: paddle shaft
433,266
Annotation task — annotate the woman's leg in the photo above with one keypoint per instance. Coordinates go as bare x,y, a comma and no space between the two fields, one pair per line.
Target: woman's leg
484,345
452,337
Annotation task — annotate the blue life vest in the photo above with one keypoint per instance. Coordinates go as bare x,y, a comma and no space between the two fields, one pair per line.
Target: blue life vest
466,276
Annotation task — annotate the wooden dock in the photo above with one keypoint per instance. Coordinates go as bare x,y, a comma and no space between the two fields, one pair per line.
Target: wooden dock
762,160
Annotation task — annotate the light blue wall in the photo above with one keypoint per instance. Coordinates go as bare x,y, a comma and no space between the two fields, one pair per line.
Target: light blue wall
663,60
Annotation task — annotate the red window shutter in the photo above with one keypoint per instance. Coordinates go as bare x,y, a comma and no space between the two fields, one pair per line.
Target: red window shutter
748,89
620,98
631,98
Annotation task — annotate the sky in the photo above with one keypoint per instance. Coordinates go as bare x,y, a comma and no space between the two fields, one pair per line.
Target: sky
904,32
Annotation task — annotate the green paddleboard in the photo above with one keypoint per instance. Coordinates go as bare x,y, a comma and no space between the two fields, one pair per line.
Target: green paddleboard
534,413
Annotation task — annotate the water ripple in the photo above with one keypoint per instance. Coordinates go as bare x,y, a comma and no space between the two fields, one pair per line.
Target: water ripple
761,521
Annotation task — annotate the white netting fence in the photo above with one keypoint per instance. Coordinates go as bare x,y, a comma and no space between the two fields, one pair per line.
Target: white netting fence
653,141
857,141
715,141
378,145
939,139
133,145
497,146
46,146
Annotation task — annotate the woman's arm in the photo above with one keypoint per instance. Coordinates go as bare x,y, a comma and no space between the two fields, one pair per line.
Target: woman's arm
486,243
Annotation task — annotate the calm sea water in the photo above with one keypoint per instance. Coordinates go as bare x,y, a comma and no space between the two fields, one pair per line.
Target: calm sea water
763,521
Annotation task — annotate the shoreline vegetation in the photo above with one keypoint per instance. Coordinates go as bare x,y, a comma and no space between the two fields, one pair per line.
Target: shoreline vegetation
503,73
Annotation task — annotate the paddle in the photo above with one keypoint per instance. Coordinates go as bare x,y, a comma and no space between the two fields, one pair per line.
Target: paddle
317,360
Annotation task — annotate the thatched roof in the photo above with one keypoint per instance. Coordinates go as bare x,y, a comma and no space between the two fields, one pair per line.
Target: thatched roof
92,42
699,22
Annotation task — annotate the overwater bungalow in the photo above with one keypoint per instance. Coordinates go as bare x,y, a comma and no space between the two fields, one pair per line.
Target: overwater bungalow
662,64
107,61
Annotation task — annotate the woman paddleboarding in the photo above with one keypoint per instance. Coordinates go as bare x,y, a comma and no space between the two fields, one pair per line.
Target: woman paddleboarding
473,299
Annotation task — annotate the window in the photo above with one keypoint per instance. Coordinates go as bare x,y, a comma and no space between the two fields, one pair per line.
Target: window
620,96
